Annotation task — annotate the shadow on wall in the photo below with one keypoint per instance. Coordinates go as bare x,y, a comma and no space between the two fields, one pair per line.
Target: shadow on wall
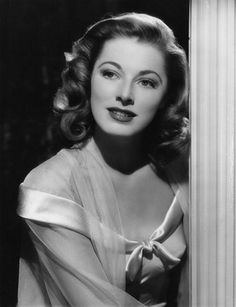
34,35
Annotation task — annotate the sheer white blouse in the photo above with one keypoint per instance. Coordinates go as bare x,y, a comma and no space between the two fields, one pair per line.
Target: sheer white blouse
76,251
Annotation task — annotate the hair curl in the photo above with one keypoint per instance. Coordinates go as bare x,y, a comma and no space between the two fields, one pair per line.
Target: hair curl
168,134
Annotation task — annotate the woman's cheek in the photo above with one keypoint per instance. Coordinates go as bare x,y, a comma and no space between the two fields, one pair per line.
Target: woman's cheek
150,107
104,90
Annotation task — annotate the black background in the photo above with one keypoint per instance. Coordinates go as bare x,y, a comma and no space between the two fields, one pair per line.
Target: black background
34,34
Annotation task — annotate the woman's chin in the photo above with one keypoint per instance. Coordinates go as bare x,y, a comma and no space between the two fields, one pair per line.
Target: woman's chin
121,133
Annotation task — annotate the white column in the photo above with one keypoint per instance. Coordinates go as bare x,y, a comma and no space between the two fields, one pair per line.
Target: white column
213,170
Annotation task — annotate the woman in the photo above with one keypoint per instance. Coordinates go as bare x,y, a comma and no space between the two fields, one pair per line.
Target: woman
89,208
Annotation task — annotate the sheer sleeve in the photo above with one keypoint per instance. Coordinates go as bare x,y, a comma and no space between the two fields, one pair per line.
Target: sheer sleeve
74,256
54,176
71,273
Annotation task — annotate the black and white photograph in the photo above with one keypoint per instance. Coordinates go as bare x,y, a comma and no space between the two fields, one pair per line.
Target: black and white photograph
117,151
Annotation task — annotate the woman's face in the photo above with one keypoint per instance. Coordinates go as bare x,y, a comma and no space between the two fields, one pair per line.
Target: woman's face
127,86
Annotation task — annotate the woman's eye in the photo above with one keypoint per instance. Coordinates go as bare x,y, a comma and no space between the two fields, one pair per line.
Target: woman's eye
108,74
148,83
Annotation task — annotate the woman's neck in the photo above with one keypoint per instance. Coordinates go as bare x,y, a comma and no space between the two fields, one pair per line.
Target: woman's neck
124,154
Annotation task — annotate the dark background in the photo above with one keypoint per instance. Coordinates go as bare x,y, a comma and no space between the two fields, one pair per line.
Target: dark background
33,36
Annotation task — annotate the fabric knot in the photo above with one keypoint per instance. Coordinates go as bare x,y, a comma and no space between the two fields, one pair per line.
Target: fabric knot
148,247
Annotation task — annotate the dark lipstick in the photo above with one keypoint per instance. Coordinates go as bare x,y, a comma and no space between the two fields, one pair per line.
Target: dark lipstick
121,115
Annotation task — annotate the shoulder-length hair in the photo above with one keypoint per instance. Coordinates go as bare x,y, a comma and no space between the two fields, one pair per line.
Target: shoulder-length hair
168,134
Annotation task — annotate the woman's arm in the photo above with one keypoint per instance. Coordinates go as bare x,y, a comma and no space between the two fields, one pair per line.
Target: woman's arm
69,267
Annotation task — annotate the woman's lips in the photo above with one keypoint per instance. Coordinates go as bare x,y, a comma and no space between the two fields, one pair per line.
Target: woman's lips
121,115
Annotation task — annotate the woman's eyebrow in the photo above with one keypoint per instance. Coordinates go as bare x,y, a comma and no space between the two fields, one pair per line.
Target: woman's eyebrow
140,73
145,72
112,63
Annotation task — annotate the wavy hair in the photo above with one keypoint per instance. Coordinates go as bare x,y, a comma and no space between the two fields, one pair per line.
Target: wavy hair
168,134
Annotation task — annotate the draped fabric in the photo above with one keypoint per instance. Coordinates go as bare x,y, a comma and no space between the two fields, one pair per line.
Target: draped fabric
178,184
77,252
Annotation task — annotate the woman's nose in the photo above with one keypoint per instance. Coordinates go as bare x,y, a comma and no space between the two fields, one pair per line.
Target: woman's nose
125,95
125,101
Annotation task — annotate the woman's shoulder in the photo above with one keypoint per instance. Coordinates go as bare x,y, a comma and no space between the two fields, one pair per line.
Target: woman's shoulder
54,175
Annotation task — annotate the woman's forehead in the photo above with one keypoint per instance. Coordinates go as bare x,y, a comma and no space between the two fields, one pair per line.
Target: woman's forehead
129,50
